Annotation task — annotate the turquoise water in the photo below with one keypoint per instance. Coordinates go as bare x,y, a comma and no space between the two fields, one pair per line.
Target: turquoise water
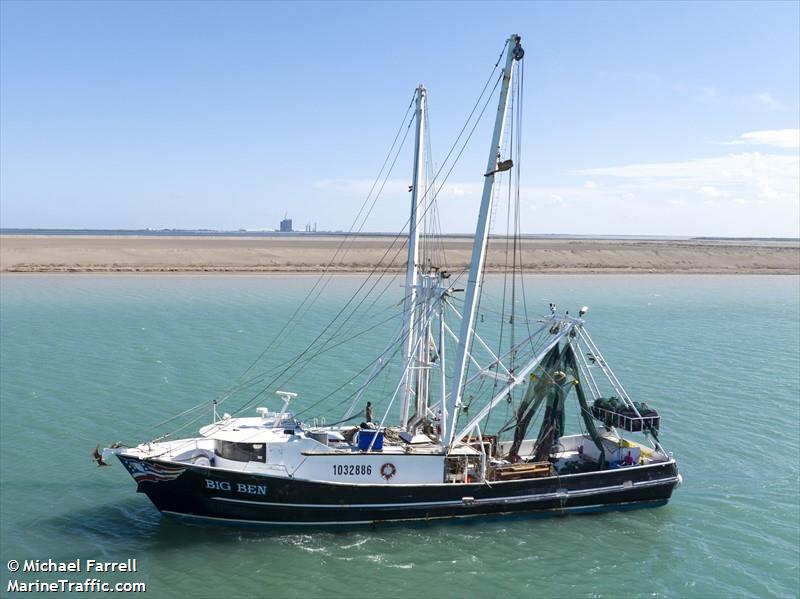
87,360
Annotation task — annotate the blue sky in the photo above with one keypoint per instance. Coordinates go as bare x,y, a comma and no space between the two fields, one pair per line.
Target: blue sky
639,118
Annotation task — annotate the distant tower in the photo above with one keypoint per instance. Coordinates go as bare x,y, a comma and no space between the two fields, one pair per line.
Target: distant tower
286,224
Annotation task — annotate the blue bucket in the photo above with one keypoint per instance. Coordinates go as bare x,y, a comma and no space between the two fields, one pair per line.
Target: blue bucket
365,437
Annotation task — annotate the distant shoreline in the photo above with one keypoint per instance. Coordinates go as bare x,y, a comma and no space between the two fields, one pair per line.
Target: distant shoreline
245,233
312,253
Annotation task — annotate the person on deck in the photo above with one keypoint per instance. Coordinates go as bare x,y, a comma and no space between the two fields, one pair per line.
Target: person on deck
368,412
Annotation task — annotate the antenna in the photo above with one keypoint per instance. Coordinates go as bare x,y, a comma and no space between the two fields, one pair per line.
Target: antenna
287,396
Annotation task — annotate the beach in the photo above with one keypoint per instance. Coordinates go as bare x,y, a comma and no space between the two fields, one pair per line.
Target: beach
315,253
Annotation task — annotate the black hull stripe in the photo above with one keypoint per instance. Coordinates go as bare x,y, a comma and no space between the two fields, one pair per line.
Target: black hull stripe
495,500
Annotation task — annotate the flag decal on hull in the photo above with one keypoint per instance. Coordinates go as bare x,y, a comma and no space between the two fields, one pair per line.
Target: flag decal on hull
151,472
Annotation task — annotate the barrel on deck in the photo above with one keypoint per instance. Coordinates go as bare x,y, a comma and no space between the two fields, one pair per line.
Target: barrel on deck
365,437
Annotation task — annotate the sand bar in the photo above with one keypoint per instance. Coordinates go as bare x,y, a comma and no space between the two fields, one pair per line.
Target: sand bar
310,253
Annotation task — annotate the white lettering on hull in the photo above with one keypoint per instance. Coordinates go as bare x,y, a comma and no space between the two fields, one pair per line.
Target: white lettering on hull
223,485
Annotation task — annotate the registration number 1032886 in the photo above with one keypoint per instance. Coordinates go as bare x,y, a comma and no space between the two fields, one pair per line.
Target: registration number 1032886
352,469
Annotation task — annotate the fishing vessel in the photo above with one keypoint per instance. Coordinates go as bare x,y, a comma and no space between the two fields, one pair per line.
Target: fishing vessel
452,437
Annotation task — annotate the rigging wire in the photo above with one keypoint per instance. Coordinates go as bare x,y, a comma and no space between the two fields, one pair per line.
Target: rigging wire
349,234
297,314
458,155
257,379
491,219
348,340
510,153
520,104
513,229
290,323
302,354
455,161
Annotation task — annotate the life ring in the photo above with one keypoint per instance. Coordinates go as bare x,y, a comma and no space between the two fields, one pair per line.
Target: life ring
388,470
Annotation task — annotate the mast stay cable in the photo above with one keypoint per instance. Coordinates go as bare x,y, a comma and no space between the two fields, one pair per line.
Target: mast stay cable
349,235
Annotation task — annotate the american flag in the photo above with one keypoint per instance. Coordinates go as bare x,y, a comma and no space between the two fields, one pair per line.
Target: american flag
151,472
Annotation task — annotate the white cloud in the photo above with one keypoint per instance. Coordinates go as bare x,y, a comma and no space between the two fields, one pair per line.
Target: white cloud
739,194
762,176
760,102
711,95
766,101
766,191
777,138
710,191
707,94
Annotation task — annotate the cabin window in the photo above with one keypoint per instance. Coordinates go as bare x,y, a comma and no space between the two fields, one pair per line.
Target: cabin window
241,452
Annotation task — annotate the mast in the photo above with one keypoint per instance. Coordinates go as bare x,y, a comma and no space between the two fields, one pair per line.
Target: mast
410,307
514,52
